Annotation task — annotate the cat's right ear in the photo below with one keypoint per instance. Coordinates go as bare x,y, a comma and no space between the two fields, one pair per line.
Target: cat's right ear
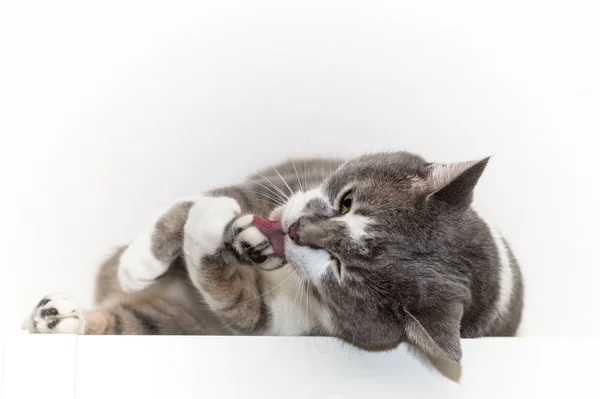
436,331
453,183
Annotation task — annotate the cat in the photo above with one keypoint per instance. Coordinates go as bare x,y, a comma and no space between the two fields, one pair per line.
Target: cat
378,250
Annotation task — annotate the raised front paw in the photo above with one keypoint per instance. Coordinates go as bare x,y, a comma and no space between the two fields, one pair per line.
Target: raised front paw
153,250
205,226
138,265
56,314
251,245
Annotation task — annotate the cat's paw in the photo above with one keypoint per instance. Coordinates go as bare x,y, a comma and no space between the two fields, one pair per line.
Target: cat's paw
153,251
206,223
138,266
252,245
56,314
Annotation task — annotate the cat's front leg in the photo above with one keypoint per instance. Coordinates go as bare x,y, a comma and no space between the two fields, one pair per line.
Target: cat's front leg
155,248
222,251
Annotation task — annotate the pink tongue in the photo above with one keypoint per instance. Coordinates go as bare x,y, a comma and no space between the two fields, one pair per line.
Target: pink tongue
272,229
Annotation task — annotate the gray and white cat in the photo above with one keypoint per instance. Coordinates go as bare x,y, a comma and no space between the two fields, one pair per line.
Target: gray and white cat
378,250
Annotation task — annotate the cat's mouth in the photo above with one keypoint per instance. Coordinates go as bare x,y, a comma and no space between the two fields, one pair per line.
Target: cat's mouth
304,255
274,232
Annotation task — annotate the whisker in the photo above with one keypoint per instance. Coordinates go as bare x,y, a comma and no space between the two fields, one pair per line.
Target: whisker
323,177
295,298
277,286
283,180
305,172
274,186
266,201
270,190
307,309
276,200
297,176
301,301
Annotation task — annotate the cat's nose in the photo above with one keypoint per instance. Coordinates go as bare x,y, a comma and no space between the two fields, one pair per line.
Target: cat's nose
293,233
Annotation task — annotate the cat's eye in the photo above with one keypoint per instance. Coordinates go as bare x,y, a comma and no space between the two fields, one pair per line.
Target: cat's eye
346,203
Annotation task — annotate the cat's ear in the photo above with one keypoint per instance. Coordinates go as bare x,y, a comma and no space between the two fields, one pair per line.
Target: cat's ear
454,183
436,331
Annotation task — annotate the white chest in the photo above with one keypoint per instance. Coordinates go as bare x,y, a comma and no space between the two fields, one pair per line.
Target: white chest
290,303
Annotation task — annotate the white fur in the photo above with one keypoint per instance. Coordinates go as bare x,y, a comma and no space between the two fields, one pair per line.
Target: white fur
243,222
357,224
287,303
295,206
506,274
138,267
203,231
293,310
252,236
71,317
310,263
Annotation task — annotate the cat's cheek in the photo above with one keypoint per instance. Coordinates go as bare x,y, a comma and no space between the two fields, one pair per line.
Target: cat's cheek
310,264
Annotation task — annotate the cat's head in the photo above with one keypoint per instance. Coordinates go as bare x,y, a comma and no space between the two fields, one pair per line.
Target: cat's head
378,241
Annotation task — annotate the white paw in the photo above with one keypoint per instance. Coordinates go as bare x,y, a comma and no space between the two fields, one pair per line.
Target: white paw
56,314
206,224
138,267
249,236
251,242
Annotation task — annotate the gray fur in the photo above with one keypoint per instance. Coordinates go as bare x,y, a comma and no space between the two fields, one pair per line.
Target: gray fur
426,272
429,271
168,232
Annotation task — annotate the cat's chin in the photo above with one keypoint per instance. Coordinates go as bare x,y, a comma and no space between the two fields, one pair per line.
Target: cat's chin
310,263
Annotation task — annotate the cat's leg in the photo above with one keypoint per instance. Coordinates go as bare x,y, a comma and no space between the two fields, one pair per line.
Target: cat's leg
133,315
219,245
169,306
154,249
223,253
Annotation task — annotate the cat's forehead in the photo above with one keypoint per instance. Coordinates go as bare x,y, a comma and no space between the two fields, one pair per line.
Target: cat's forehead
378,172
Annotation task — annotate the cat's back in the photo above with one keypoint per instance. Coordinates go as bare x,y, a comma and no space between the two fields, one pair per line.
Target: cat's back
496,281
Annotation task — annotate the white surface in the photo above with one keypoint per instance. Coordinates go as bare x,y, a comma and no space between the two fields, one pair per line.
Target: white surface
89,367
39,366
197,368
109,111
1,368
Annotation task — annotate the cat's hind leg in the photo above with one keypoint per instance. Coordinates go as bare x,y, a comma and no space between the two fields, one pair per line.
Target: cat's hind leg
171,306
136,314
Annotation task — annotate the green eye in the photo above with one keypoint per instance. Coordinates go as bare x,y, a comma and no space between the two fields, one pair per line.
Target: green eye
346,203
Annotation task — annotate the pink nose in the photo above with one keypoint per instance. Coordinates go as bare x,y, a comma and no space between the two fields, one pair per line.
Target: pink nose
294,232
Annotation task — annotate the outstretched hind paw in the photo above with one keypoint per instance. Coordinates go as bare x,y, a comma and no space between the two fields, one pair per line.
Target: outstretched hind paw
56,314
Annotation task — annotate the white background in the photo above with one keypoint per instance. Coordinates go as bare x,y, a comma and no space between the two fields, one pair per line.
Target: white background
110,111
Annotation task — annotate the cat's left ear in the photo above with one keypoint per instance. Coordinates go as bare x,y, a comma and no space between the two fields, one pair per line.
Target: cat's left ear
436,331
454,183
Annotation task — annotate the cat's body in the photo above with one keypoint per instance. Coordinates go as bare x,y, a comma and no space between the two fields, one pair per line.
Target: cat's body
410,261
